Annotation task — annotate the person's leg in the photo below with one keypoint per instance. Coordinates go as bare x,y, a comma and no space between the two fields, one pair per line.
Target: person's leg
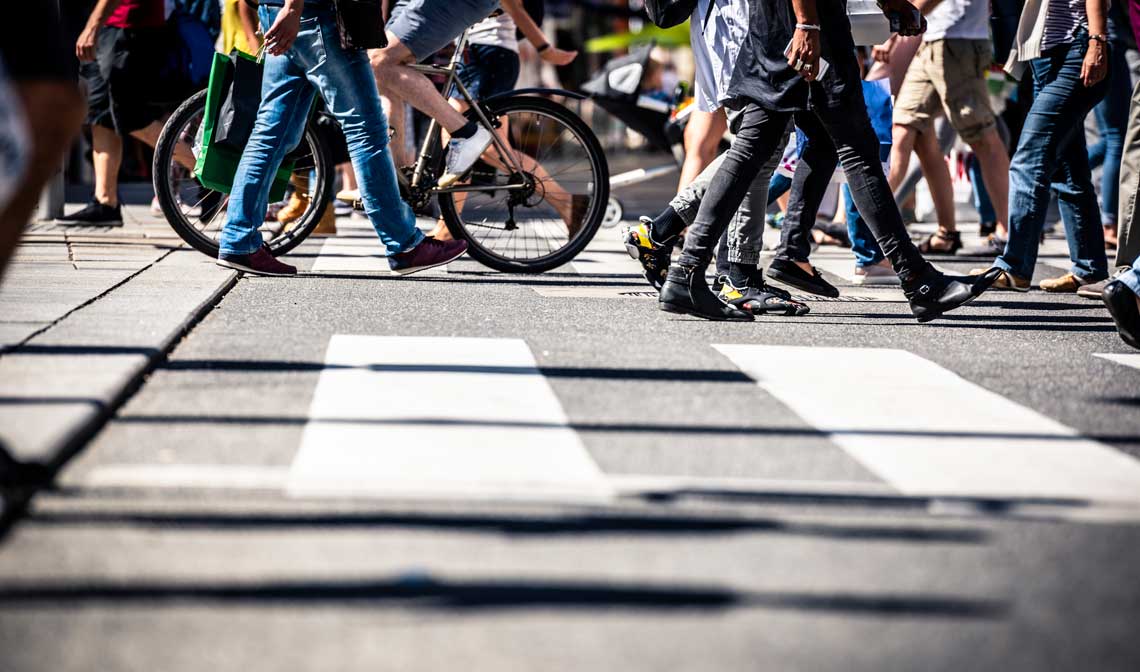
53,111
703,134
344,80
400,82
863,245
982,201
286,98
1128,229
814,170
1060,102
745,233
779,185
937,175
1076,198
903,139
149,134
106,157
686,203
1112,119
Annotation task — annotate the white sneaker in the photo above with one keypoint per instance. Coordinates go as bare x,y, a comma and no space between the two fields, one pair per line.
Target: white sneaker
462,153
879,274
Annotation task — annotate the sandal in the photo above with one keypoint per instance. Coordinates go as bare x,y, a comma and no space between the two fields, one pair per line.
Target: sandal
952,237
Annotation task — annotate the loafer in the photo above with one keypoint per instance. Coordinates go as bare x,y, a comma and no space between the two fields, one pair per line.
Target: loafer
935,294
1066,284
685,292
261,262
428,254
1095,290
1121,303
788,273
1005,280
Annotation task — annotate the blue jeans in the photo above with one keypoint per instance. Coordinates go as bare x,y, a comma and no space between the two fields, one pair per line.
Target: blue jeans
1111,120
317,63
1051,151
1132,278
863,243
982,202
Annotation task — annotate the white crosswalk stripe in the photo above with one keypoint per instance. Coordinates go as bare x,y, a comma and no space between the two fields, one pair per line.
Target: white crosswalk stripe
1125,360
355,249
925,430
439,417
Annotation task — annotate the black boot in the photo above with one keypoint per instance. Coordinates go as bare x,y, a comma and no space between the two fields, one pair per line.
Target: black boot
1121,304
686,292
933,293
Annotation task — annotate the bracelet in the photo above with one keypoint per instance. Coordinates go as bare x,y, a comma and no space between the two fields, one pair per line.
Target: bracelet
544,47
807,26
1103,39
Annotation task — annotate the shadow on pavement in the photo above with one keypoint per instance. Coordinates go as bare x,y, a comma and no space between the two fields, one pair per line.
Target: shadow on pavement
427,593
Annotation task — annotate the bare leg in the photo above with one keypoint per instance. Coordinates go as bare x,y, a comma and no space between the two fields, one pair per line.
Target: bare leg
396,110
395,79
182,153
902,144
994,161
106,156
702,139
54,111
937,176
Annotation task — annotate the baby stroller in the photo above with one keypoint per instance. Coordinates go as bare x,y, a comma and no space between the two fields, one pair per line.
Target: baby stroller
616,88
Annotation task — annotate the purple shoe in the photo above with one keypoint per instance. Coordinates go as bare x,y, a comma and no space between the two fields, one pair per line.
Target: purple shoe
260,262
428,254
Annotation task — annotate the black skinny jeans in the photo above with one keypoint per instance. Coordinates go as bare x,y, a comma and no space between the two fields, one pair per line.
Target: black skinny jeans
834,134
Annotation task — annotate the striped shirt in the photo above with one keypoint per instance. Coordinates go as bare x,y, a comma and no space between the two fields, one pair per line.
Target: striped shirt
1061,19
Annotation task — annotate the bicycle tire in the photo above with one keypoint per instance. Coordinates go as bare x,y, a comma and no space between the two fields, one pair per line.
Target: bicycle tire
594,214
172,132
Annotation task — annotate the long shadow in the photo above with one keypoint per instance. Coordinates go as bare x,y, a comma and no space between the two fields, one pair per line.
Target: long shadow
599,523
479,279
617,427
428,593
38,349
601,373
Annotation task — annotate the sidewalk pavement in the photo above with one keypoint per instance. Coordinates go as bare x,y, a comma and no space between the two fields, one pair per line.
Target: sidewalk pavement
85,313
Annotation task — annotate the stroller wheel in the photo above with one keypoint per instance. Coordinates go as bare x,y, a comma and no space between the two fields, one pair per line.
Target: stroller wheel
614,213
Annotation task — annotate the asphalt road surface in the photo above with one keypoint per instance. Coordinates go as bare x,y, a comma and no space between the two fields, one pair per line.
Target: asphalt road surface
470,470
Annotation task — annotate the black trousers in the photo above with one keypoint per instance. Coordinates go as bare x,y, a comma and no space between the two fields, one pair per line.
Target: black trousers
842,134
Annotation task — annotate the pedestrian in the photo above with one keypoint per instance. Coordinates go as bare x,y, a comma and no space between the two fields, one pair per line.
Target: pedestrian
41,75
1065,47
768,97
948,76
1111,119
126,51
305,58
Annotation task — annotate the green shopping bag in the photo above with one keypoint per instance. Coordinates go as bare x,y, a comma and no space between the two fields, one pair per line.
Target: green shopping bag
217,162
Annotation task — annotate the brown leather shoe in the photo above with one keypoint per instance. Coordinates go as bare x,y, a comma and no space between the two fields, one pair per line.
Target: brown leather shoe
1066,284
1005,281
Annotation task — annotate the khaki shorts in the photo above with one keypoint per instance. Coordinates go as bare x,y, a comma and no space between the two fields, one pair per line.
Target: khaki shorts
948,75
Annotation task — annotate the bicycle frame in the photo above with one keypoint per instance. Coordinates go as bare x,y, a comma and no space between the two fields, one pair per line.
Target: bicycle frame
505,154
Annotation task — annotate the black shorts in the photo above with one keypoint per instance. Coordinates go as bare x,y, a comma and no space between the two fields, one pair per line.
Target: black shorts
33,46
124,81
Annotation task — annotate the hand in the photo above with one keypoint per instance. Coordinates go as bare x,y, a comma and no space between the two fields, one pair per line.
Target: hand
556,56
911,21
803,55
85,45
882,52
283,32
1095,66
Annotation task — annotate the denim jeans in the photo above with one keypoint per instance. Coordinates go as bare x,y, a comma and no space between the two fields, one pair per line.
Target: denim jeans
316,63
1111,119
1051,151
982,202
863,245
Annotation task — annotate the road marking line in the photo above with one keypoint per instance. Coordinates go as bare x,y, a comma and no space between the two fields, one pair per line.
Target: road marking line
1126,360
212,476
355,248
925,430
438,417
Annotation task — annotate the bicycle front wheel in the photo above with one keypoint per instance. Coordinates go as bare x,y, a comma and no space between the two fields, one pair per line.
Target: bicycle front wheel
540,218
197,214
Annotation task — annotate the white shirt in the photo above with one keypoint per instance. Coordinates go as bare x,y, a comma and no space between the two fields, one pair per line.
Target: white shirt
495,31
958,20
717,30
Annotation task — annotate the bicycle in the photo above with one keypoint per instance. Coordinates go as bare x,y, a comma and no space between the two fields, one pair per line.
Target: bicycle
532,202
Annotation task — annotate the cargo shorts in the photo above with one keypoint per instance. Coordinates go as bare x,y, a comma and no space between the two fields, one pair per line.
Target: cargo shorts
948,76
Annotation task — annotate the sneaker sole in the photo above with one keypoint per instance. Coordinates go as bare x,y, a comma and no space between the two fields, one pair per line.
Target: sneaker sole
246,269
417,269
679,310
794,282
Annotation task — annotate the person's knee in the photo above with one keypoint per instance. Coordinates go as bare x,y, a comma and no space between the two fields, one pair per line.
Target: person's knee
393,55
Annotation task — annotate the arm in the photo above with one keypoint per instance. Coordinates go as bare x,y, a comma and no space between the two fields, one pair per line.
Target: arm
283,32
85,45
804,52
1095,66
248,17
535,36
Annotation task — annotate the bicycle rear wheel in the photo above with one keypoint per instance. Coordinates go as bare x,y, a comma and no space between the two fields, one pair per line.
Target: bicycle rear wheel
197,214
567,186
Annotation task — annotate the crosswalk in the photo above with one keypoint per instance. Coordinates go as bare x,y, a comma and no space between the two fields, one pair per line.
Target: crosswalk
476,418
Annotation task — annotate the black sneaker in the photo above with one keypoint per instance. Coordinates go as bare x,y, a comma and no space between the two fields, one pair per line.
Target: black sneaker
934,293
95,214
653,257
685,292
787,272
760,300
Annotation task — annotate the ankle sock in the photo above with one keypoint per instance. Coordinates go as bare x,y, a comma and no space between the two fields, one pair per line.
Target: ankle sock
466,131
666,226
